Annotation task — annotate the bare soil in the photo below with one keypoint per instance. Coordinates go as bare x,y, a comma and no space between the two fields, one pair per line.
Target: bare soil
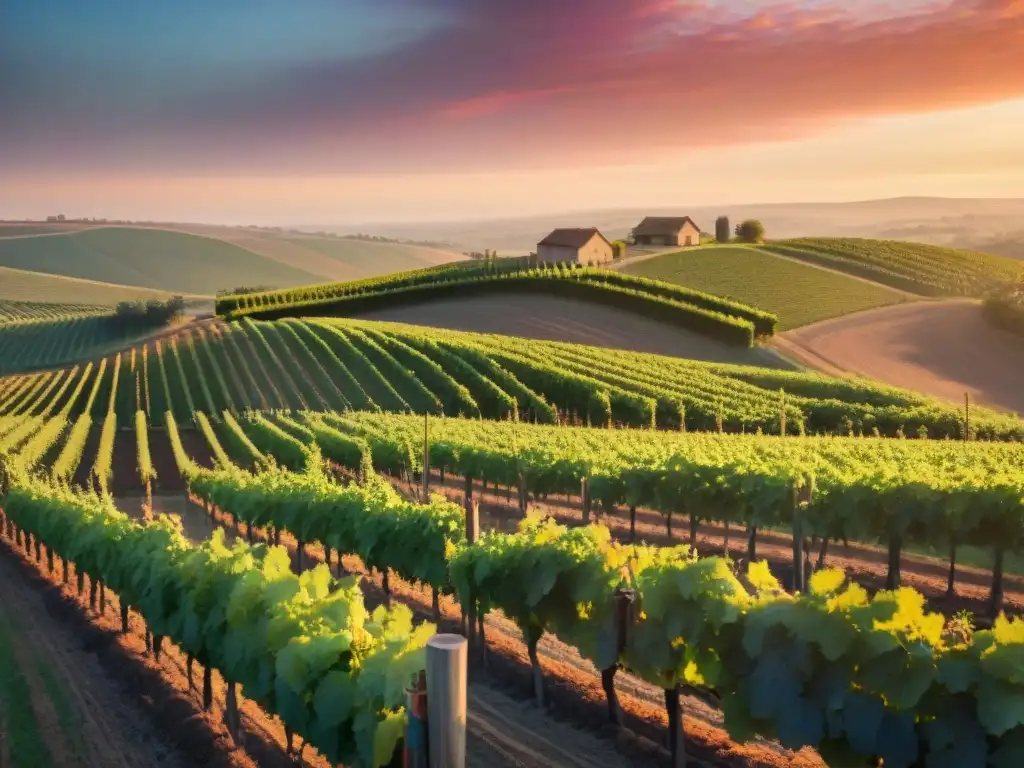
572,320
86,715
940,348
125,464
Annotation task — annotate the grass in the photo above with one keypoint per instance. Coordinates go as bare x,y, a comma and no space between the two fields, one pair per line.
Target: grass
22,285
798,294
25,744
150,258
364,259
928,270
22,230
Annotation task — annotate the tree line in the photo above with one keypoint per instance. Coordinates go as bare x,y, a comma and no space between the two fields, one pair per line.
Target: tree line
150,313
747,231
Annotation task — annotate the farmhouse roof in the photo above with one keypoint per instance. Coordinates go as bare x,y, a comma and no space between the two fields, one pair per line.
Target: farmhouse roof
662,225
572,238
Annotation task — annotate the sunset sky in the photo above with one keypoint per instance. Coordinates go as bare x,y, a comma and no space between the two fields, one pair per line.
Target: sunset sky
336,111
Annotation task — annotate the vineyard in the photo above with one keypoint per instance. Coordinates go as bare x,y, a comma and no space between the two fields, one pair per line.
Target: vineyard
927,270
798,294
370,484
15,312
722,319
324,364
65,335
877,677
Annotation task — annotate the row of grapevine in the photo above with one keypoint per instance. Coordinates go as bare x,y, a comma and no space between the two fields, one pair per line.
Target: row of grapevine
271,371
29,345
935,493
406,386
725,319
14,311
393,367
876,677
334,673
147,474
327,390
923,269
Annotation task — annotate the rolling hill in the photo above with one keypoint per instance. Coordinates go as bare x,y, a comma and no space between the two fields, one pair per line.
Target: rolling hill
150,258
327,364
799,294
38,287
202,259
926,270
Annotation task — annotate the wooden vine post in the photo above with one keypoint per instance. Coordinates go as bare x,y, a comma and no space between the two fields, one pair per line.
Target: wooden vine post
967,416
585,500
625,601
472,534
676,733
996,597
782,412
447,662
801,496
426,458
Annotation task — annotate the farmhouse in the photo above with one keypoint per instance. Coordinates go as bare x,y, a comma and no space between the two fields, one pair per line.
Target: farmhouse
583,246
671,230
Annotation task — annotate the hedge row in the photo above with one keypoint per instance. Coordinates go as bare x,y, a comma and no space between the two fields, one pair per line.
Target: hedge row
729,328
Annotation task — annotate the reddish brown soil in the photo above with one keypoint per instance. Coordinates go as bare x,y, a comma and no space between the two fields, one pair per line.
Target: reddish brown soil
167,478
126,712
571,320
125,481
196,446
940,348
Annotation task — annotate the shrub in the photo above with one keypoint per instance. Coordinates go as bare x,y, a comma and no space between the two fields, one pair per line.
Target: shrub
750,231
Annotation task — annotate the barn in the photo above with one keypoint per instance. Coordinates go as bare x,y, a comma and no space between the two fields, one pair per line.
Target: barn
581,246
667,230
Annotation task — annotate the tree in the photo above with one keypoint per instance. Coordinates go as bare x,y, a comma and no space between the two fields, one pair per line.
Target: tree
722,231
618,249
750,231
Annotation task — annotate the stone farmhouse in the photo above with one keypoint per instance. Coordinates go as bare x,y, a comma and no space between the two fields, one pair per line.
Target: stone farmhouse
581,246
667,230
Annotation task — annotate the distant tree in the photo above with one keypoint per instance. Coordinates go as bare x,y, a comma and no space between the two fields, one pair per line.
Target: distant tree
750,231
722,231
619,249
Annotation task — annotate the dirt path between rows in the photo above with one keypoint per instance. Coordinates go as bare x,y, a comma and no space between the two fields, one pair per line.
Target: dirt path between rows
84,718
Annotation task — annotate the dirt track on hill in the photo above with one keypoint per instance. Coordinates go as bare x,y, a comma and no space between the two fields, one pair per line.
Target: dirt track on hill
556,319
939,348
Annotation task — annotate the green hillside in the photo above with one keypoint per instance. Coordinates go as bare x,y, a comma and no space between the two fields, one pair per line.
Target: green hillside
727,321
22,286
325,364
361,258
34,311
797,294
151,258
928,270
